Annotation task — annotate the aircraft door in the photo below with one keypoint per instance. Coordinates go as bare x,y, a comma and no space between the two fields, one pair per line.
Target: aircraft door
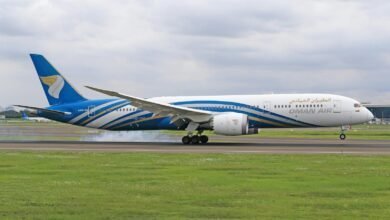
267,105
91,111
337,107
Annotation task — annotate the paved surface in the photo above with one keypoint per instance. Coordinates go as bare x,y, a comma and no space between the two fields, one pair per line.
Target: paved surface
240,145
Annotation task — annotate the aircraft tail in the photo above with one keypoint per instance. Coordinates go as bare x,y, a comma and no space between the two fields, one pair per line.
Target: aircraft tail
57,89
24,115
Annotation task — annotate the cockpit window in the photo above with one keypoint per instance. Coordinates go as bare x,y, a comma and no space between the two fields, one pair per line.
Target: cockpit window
357,105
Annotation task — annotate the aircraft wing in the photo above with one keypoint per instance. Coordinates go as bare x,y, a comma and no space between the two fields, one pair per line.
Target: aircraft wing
161,109
44,110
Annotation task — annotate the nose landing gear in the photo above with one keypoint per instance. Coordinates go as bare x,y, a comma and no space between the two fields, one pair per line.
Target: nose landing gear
342,132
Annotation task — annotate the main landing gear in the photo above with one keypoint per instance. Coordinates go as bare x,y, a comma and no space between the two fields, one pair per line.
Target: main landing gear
195,139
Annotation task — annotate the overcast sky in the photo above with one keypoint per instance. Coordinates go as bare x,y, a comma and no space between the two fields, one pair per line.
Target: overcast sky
201,47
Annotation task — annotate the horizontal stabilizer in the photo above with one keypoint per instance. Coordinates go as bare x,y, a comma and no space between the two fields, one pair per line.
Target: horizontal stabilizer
45,110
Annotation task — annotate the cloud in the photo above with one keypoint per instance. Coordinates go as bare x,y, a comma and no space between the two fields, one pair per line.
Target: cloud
222,18
156,48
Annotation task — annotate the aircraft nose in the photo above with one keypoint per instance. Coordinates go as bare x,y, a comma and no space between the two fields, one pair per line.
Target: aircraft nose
370,116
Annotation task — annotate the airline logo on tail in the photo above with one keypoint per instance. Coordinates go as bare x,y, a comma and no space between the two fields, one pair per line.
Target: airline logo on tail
55,83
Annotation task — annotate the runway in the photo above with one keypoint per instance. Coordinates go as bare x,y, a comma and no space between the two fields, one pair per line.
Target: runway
244,145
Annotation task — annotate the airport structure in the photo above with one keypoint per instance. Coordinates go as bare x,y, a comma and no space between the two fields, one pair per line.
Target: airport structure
2,116
380,111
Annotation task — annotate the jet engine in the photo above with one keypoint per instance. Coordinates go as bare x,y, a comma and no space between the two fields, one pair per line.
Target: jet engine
231,124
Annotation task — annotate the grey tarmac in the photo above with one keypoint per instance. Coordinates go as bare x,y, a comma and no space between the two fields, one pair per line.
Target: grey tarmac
218,145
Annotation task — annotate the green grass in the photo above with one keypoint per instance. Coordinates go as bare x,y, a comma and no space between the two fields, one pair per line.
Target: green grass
56,185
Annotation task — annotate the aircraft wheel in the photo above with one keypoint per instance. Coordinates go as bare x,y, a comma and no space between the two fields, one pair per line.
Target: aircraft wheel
195,139
204,139
342,136
186,140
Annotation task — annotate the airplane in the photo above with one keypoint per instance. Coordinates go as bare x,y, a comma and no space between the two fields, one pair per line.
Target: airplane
225,115
35,119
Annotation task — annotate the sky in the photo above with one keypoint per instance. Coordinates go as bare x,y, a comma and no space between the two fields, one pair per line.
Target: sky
201,47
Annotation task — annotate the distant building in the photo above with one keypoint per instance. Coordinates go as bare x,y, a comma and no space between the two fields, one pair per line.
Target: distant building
381,112
10,112
2,116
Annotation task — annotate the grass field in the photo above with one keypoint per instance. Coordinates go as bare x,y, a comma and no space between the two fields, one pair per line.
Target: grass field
198,186
63,185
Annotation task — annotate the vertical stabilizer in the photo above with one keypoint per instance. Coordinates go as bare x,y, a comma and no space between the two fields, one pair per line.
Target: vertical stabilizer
57,89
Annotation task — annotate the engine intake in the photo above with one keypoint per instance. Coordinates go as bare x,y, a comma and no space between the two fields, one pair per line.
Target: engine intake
230,124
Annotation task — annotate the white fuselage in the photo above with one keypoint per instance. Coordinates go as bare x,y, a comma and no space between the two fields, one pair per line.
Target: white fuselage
324,110
274,110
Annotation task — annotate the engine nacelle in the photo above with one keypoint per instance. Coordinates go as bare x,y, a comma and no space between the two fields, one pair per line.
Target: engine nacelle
230,124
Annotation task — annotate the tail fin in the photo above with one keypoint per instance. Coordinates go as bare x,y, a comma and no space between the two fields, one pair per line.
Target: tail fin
24,115
57,89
